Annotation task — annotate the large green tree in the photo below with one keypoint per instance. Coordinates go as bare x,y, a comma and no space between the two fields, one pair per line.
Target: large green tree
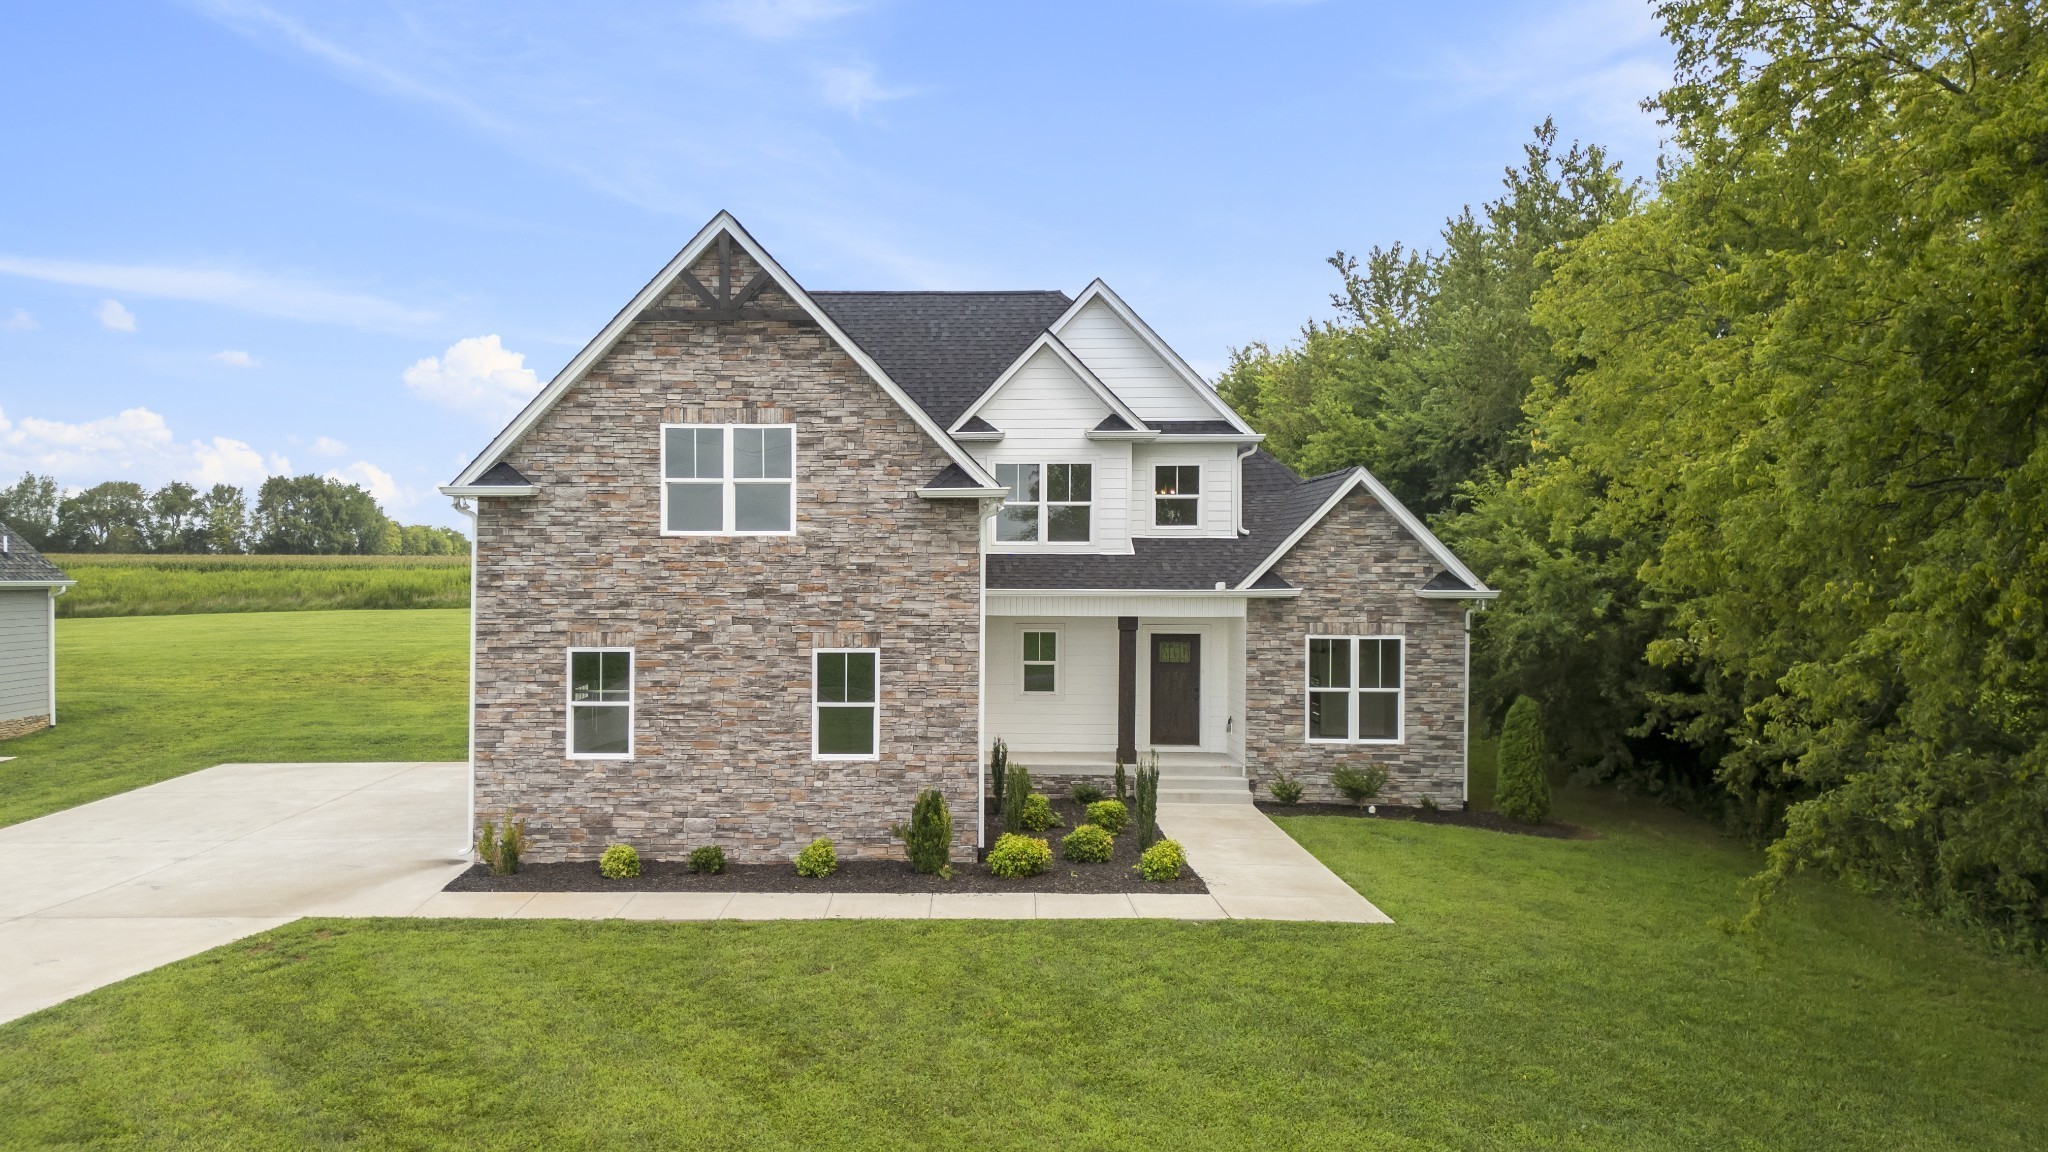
313,514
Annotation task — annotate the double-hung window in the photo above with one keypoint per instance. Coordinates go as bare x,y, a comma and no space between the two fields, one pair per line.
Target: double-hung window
1354,689
844,704
1176,495
1041,661
601,703
1046,502
728,479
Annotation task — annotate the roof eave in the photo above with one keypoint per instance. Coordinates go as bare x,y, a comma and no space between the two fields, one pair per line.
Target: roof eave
962,493
460,490
1457,593
66,582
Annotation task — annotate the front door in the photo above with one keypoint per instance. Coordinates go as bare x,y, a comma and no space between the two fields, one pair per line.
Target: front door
1176,688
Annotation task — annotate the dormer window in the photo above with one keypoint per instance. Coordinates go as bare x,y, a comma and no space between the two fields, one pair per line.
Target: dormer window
1046,503
1176,495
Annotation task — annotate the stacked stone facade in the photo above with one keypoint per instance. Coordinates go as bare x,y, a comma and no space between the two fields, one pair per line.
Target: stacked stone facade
1358,571
723,628
22,726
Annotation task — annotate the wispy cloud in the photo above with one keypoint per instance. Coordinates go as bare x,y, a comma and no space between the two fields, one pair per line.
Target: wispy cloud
478,376
328,446
20,321
234,358
113,317
853,87
228,288
781,19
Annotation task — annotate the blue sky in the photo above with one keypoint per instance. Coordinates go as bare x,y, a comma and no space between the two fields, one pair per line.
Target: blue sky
239,238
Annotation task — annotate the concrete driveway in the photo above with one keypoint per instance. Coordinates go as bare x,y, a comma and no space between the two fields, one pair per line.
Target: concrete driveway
100,892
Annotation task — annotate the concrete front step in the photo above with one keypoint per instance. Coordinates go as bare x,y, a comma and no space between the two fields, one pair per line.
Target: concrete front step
1204,790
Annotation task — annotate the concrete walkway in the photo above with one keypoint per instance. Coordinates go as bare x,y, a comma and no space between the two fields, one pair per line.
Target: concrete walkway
104,891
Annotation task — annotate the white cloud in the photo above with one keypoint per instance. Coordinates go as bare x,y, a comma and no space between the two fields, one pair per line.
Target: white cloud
225,461
246,291
1590,63
329,446
477,376
374,480
779,19
854,87
235,358
21,321
113,317
134,444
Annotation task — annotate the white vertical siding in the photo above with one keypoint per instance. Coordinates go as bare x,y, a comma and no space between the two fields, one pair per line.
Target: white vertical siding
1045,412
25,657
1130,368
1219,487
1081,716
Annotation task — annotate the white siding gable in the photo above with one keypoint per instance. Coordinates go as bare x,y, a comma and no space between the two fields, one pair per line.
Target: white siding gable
1045,411
1219,494
1124,362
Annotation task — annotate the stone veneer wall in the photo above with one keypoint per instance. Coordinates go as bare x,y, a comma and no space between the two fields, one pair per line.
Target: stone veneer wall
22,726
1358,571
723,627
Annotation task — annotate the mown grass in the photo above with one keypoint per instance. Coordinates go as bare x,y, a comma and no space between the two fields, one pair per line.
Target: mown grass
143,699
167,585
1532,994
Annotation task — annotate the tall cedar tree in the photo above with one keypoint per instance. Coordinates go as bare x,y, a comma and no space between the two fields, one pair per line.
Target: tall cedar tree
1522,791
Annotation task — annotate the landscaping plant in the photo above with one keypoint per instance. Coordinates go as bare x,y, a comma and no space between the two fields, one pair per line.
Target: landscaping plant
998,765
1088,844
928,838
1123,784
817,860
1038,815
1163,861
1148,802
619,862
1015,856
1359,784
1522,792
1109,815
1086,794
500,851
1286,789
709,859
1016,790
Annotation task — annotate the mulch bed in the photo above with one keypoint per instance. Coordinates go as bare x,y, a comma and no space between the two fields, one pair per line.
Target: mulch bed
1118,874
1491,821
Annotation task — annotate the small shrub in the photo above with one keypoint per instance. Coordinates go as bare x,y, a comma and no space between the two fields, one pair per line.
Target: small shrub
1088,844
1109,815
619,862
1123,783
1286,789
998,761
1016,790
1086,794
1428,804
1015,856
501,852
1163,861
928,838
1148,801
1359,784
1038,814
817,860
709,859
1522,792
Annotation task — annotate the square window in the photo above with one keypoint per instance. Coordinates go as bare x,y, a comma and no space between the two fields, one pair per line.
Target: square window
1354,704
701,495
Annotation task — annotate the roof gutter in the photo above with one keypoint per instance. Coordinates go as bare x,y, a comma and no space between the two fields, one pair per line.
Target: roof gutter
1183,593
459,491
66,582
1457,594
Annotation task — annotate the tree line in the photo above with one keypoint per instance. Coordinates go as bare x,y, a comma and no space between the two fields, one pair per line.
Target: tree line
1755,452
299,515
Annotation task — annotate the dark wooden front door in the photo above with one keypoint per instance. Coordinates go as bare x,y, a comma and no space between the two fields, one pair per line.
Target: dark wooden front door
1176,688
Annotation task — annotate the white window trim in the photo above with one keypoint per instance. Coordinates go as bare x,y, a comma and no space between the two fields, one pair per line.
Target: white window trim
1059,651
1353,692
729,481
1201,490
877,706
570,704
1045,504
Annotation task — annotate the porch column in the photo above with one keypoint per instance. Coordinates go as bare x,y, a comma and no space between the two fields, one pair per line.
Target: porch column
1127,689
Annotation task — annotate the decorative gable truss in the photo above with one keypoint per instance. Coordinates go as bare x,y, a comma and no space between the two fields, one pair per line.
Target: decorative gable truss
963,479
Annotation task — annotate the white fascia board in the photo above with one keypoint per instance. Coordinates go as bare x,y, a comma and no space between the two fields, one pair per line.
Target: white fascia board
1047,340
1144,436
1098,290
1189,593
1453,594
64,583
1212,438
962,493
979,437
490,490
1416,528
653,292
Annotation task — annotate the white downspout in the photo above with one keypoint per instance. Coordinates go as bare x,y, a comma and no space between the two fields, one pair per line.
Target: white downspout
1467,787
989,508
55,591
475,522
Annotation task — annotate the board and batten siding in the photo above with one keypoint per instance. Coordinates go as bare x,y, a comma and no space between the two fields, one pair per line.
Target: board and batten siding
25,657
1129,367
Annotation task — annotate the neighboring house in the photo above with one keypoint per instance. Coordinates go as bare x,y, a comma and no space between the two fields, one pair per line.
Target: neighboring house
29,587
761,563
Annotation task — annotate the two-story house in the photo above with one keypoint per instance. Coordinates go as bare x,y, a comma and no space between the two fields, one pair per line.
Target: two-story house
761,563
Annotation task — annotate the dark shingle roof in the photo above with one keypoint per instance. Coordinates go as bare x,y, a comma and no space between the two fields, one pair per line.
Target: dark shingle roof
979,425
951,476
1445,582
944,348
1114,423
1194,427
1276,502
503,474
20,563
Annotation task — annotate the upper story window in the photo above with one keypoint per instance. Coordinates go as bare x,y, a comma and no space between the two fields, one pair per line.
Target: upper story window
600,703
728,479
1177,495
1047,502
1355,689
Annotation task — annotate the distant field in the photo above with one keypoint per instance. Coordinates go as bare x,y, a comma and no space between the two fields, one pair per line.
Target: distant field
116,585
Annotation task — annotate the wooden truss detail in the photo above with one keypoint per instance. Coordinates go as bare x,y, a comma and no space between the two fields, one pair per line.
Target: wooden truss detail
725,302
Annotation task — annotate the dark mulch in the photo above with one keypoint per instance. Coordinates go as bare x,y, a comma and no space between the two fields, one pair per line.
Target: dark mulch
1117,875
1491,821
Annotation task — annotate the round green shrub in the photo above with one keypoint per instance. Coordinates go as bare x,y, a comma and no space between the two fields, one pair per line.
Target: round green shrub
1086,794
817,860
1109,815
1016,856
708,859
618,862
1285,789
1088,844
1163,861
1522,792
1038,814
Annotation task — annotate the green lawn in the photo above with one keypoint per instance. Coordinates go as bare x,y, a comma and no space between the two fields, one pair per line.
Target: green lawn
145,698
1534,993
